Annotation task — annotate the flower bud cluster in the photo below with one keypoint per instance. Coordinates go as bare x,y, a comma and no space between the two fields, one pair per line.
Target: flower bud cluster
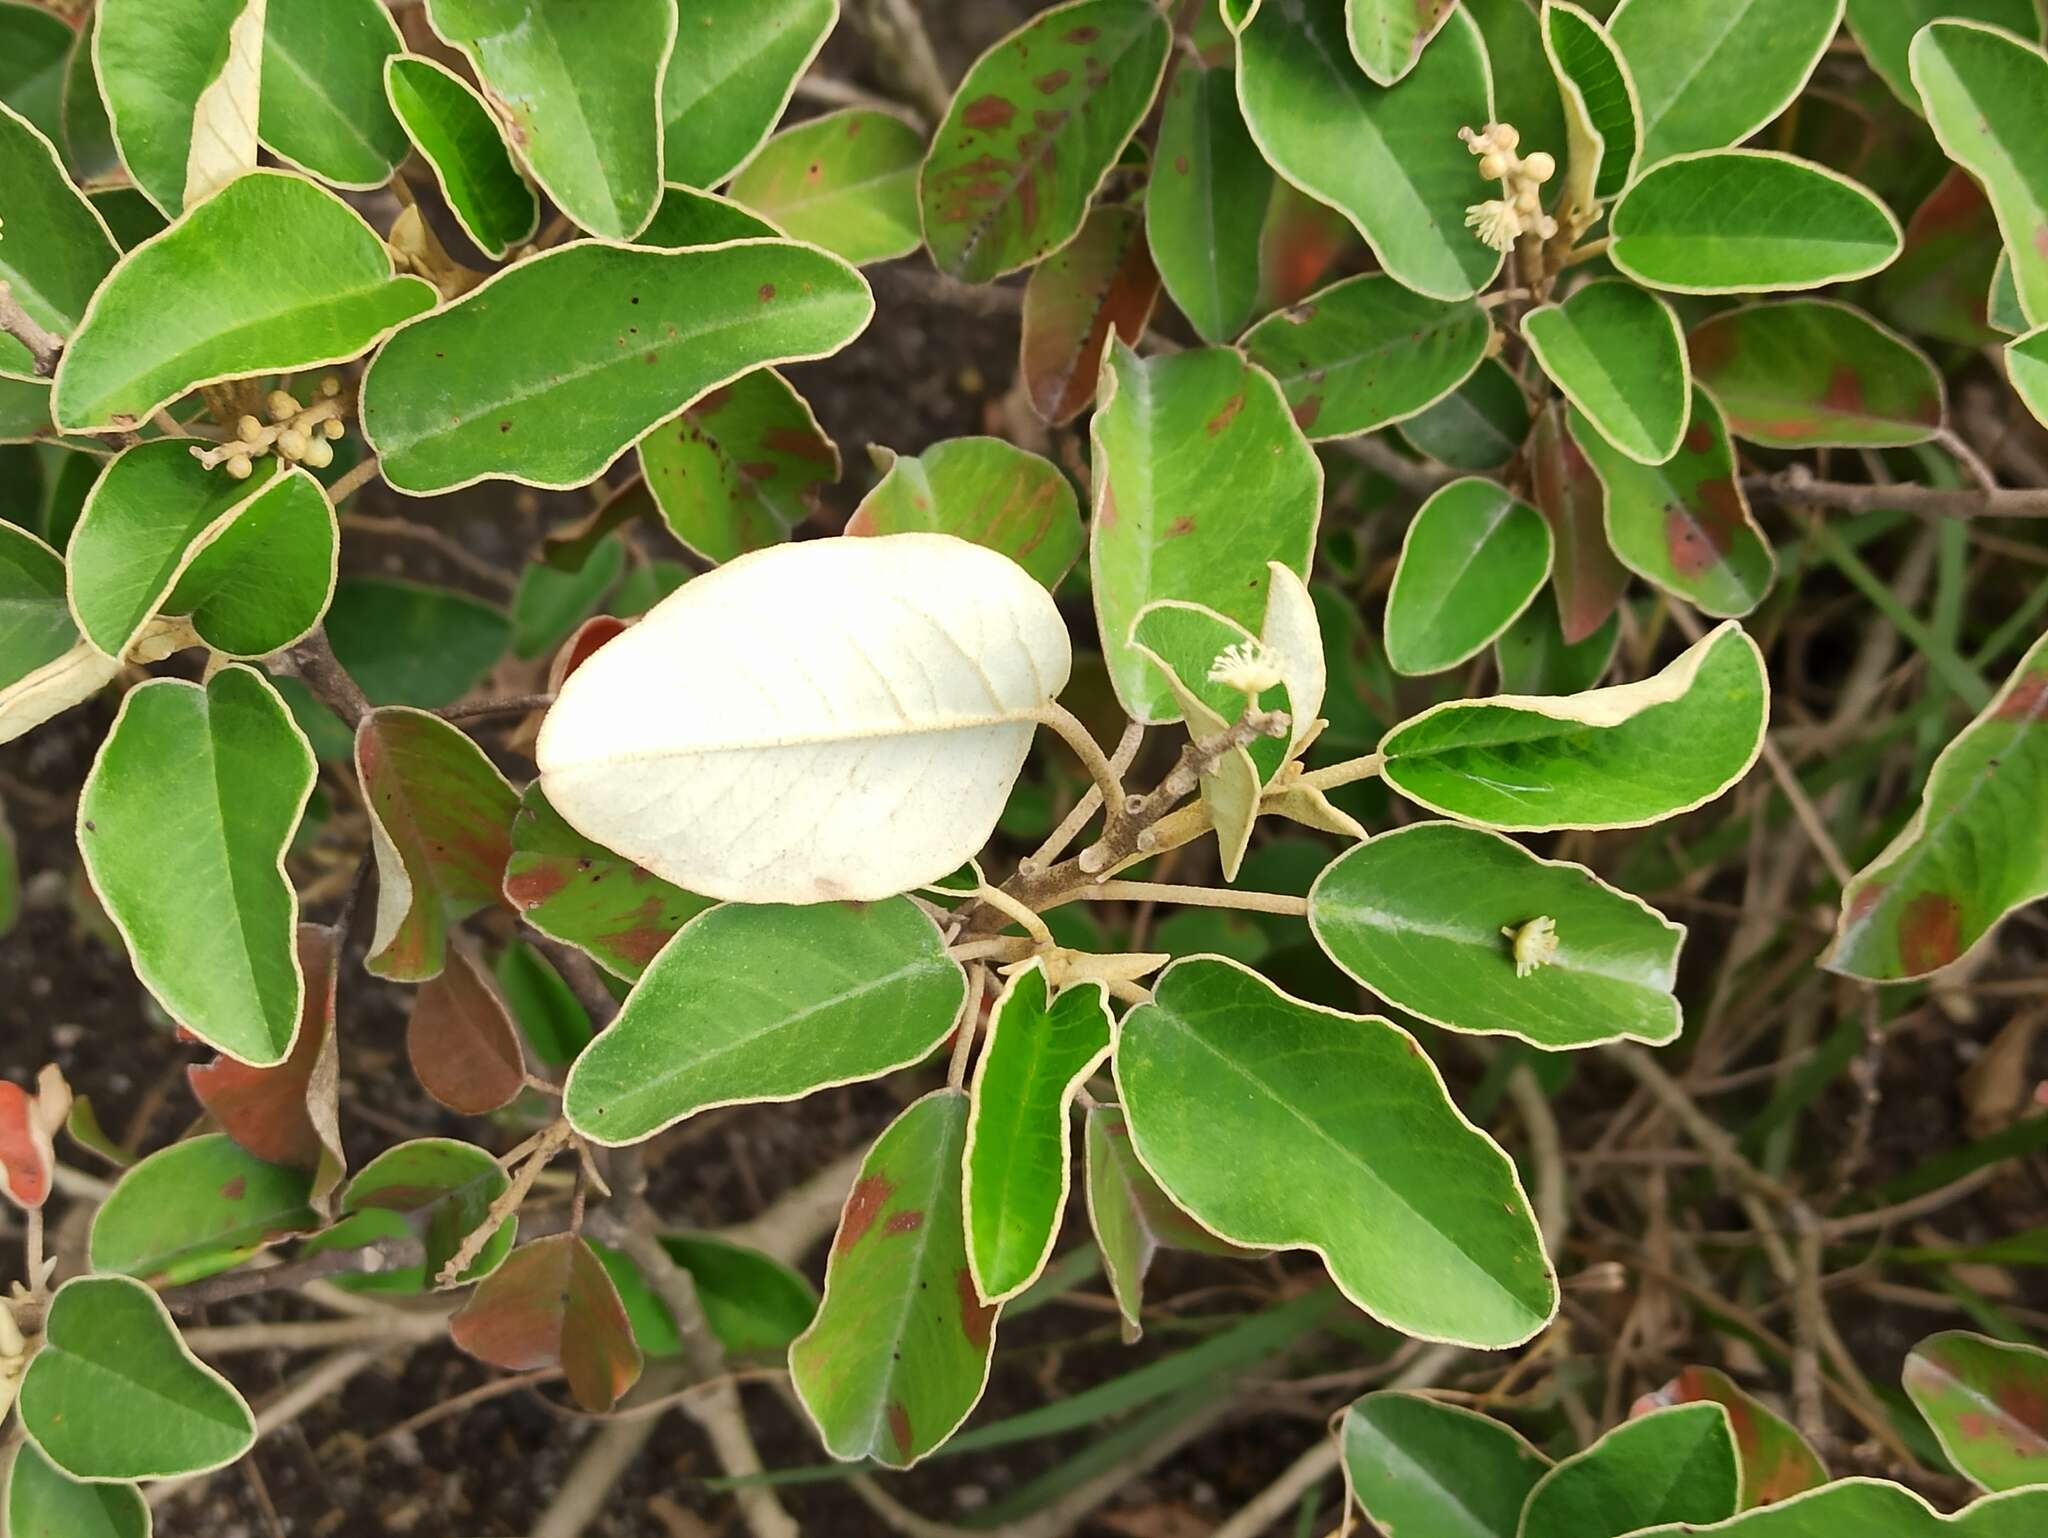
1501,221
302,435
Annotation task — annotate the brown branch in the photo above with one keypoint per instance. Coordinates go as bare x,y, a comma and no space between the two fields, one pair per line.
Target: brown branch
44,347
314,664
1799,486
510,705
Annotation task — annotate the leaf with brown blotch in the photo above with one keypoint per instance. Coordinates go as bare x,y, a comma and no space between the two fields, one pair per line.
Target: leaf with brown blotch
552,1304
1103,280
1776,1462
462,1041
28,1129
1585,574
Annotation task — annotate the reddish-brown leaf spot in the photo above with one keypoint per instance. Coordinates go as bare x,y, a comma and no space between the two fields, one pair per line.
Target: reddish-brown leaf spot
977,1319
1051,81
1102,283
1225,415
989,112
863,1204
908,1221
899,1427
1179,526
1930,932
2025,701
765,292
462,1041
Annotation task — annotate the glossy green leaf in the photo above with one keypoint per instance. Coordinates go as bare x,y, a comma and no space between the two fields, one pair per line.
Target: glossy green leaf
1970,854
582,894
183,823
1481,425
1425,916
195,1208
154,63
1207,172
554,1023
55,249
550,603
1041,1048
1875,1507
323,89
464,148
264,579
1983,90
44,1502
549,370
1620,757
551,1304
313,284
765,1002
688,217
1987,1402
899,1352
1749,221
114,1393
1776,1462
1473,558
1533,656
130,215
1201,477
741,468
1033,128
735,66
1102,282
408,644
1366,352
1812,373
1390,159
846,181
1428,1231
982,489
1603,119
440,821
1388,36
35,625
1685,524
1885,31
1712,72
1618,355
1677,1465
755,1304
33,46
1525,88
581,96
1434,1470
2026,365
434,1189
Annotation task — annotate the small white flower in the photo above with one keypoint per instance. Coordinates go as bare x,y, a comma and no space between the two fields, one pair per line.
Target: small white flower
1250,667
1535,944
1496,222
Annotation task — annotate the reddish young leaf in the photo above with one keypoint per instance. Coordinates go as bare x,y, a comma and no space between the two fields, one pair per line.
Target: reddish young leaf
552,1304
1587,577
1103,280
1776,1462
441,823
1299,243
585,639
28,1127
462,1041
1940,286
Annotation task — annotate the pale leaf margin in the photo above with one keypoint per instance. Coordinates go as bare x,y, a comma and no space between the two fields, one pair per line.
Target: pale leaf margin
496,254
1354,1501
677,410
1684,367
1549,561
223,142
53,688
1735,1525
774,119
1581,181
1935,1425
57,164
1423,38
1087,1071
398,39
1322,1255
1611,706
877,109
1676,931
1698,1407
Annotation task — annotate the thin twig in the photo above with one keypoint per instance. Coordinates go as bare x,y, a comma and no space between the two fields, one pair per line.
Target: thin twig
1195,897
44,347
1798,485
507,705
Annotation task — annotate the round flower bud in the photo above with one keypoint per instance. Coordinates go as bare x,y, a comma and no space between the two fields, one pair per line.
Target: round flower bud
1506,136
282,407
240,468
292,443
1540,166
1528,202
247,429
319,454
333,427
1492,167
330,387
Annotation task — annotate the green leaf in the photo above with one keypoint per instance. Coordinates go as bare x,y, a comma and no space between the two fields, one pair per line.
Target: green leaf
741,468
982,489
1776,1462
846,181
1181,642
183,823
1885,29
551,1304
1712,72
1952,256
1424,917
55,249
1366,352
313,285
1131,1218
1685,524
766,1002
1419,1466
1620,757
1201,477
1390,159
1983,90
554,1024
43,1502
1876,1507
1428,1232
1388,36
1619,356
35,625
1603,119
581,97
2026,365
1206,174
323,89
899,1352
440,821
735,66
1100,281
1533,656
1524,85
1481,425
582,894
550,603
195,1208
464,148
1971,853
1677,1465
435,1189
265,578
1472,560
1041,1049
114,1393
1033,128
755,1304
154,62
1812,373
550,369
688,217
407,644
1987,1402
130,215
33,45
1749,221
